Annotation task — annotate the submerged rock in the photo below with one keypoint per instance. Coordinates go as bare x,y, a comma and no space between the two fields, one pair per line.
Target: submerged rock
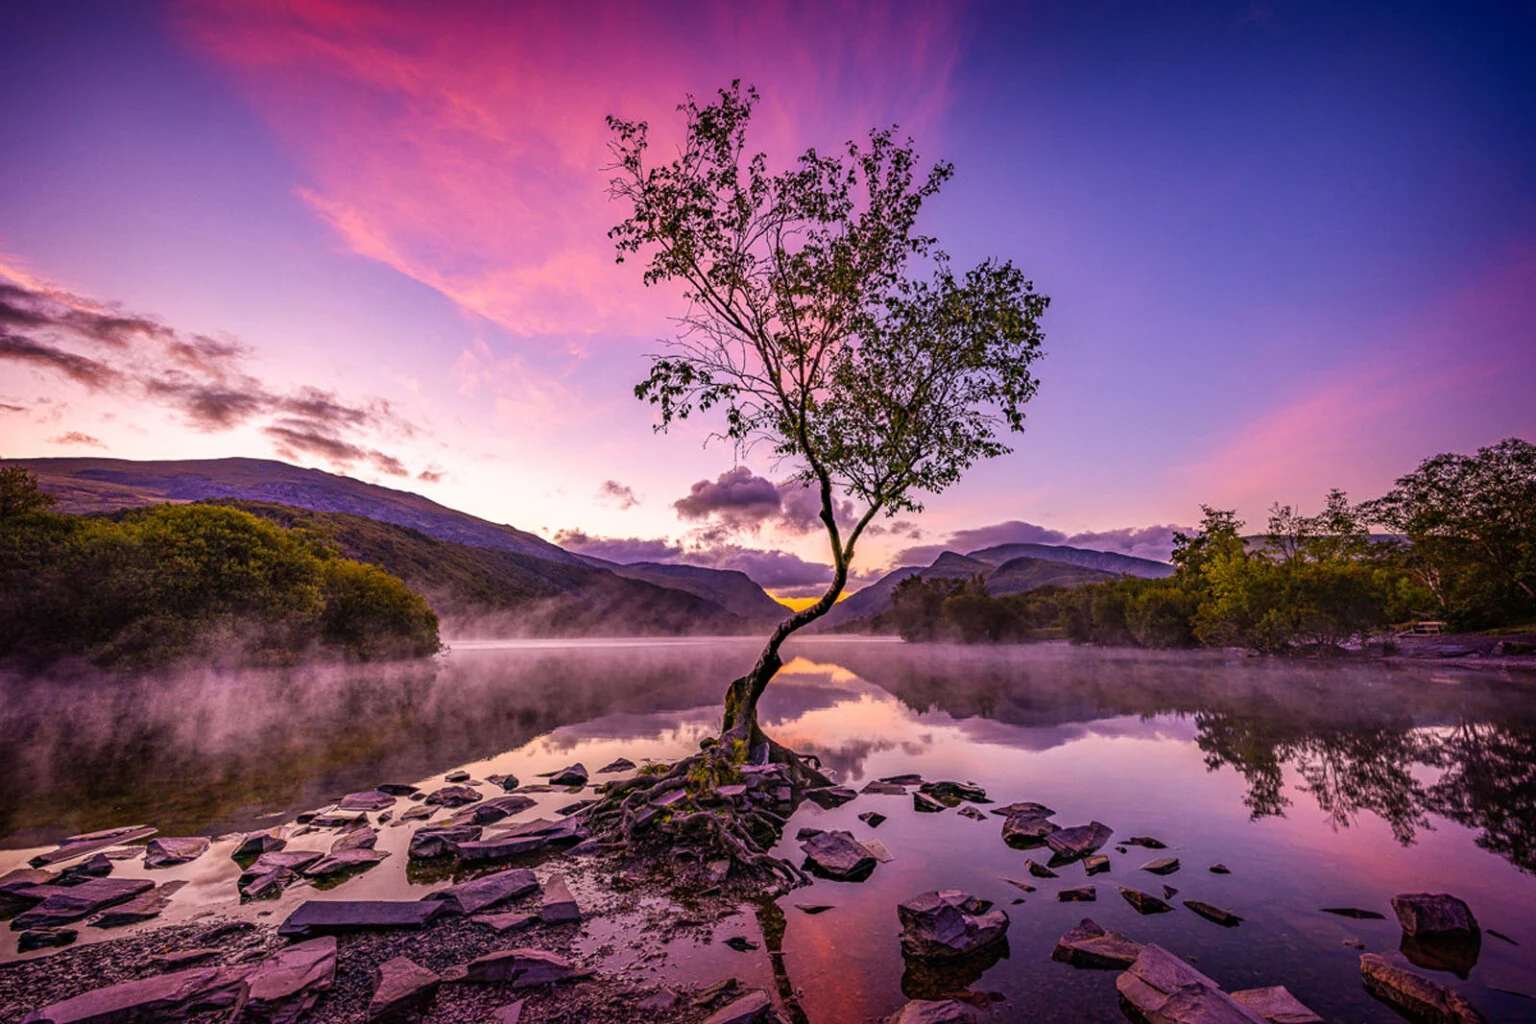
402,989
487,812
1220,869
1433,915
487,891
1080,894
828,797
1079,840
838,855
575,775
267,885
282,860
972,813
141,908
1457,952
521,968
343,861
932,1011
1165,989
1162,866
164,853
454,796
398,789
954,792
1090,946
1023,807
1413,995
1276,1005
507,782
1210,912
872,818
420,812
163,997
1145,903
926,804
98,866
45,938
910,779
499,849
66,904
1021,886
753,1008
1355,912
366,800
1027,829
358,839
257,843
438,840
1095,864
1039,870
1147,842
951,923
285,986
878,788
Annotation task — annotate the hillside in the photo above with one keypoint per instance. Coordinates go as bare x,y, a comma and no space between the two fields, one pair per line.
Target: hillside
102,485
1106,561
1019,575
734,591
485,590
876,598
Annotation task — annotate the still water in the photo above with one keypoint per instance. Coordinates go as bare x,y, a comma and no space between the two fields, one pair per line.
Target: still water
1319,785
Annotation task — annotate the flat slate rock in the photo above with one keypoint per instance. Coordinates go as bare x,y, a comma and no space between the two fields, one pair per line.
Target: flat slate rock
521,968
66,904
1355,912
878,788
877,850
813,908
1146,842
828,797
330,916
488,811
89,842
343,861
1080,894
501,848
1027,829
45,938
872,818
503,923
955,791
266,885
454,796
1163,988
618,764
364,838
402,989
399,789
419,812
141,908
257,843
1145,903
931,1011
909,779
1162,866
753,1008
164,997
1413,995
1095,864
1021,886
487,891
1091,946
286,985
1039,870
926,804
1079,840
575,775
1276,1005
838,855
1211,912
948,924
1023,807
284,860
432,841
558,906
1434,915
367,800
972,813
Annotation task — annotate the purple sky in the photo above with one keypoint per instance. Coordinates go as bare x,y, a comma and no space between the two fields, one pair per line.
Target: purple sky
1289,246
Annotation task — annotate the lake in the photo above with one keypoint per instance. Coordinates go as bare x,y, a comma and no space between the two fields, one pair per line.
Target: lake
1317,784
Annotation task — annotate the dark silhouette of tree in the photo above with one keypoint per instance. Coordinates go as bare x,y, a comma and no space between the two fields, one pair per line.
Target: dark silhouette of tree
821,323
1489,784
20,494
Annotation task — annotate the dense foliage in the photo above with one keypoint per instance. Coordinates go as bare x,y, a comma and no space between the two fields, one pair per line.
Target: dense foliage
1460,548
151,585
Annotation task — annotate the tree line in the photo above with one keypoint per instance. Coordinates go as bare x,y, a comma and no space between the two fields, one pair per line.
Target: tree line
147,586
1454,542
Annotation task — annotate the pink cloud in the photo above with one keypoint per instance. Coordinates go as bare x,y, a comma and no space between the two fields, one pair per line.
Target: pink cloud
462,145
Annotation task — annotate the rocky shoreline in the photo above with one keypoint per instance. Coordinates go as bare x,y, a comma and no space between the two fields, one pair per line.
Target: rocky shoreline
503,941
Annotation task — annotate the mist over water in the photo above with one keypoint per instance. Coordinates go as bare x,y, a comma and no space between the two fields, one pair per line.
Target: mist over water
1318,784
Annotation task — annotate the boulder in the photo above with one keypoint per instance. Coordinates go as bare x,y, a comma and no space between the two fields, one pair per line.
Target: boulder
45,938
431,841
454,796
521,968
1413,995
325,917
367,800
1276,1005
358,839
1090,946
575,775
343,861
753,1008
952,923
932,1011
257,843
828,797
872,818
486,891
1434,915
1027,829
65,904
618,764
164,997
926,804
1162,866
1080,894
492,810
1166,990
402,989
141,908
1079,840
559,906
1145,903
1211,912
165,853
839,856
286,985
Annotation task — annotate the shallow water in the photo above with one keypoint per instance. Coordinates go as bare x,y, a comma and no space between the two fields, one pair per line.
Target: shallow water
1319,785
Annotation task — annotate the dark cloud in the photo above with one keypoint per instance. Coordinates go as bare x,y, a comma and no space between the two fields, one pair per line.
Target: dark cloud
1153,542
431,476
897,528
619,494
8,407
737,497
201,377
90,372
75,437
623,550
771,570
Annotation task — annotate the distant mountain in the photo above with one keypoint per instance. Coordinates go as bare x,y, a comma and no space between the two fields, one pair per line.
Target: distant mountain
1108,561
877,597
732,590
100,485
1020,575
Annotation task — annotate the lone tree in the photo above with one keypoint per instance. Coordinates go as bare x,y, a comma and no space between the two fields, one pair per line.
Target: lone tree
823,325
